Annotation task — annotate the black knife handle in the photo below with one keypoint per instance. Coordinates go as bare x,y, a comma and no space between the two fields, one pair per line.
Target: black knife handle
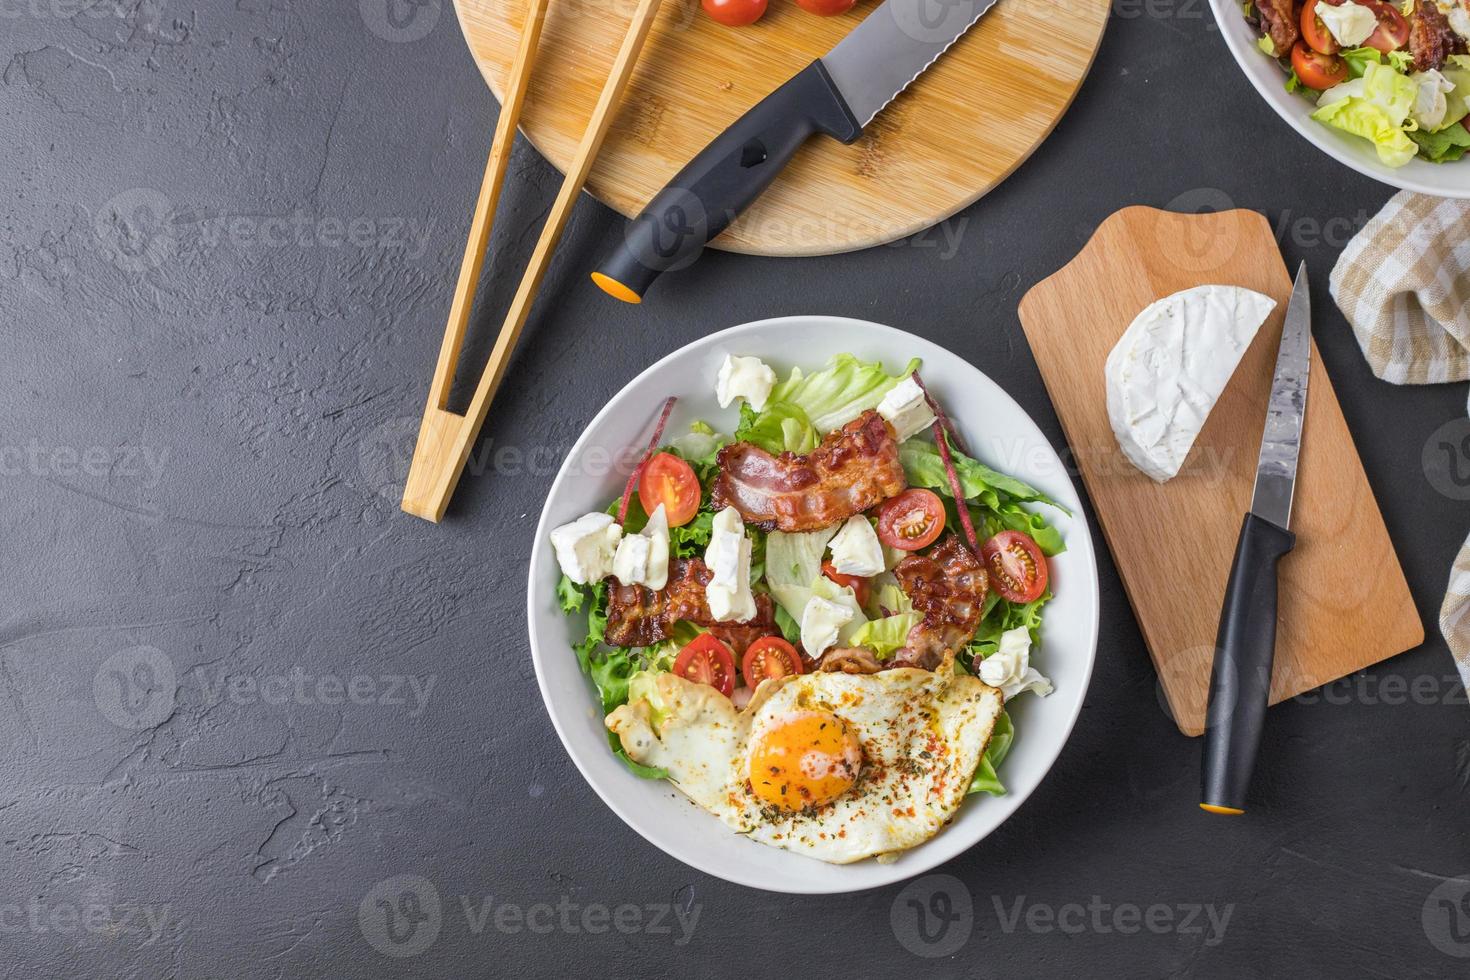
1240,684
719,183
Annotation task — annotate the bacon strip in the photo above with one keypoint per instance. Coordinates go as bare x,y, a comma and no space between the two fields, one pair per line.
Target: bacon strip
853,469
638,616
1431,40
947,587
1279,18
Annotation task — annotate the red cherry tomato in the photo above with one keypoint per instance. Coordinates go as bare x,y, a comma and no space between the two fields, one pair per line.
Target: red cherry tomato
707,661
1392,32
1315,33
826,8
734,13
666,479
1016,566
770,656
911,520
858,584
1317,71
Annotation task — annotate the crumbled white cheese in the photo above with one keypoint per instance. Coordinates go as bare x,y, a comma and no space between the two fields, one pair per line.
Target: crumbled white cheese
585,548
1350,23
1430,105
1009,667
856,549
744,377
1457,15
906,409
820,622
728,558
643,558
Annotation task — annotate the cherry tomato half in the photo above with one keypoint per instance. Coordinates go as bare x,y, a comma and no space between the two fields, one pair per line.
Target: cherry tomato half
858,584
734,13
911,520
1315,33
707,661
666,479
1317,71
1393,28
770,656
1016,566
826,8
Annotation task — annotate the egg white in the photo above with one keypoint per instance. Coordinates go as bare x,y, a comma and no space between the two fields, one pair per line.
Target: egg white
923,733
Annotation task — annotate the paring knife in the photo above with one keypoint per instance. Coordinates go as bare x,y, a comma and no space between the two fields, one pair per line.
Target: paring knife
1240,684
838,95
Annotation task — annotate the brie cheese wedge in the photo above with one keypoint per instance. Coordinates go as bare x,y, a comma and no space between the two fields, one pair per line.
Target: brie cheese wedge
1168,370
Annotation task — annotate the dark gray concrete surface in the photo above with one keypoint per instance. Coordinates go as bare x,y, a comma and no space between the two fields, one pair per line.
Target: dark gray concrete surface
230,232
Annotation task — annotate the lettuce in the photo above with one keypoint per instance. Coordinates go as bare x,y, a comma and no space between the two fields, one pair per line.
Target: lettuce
793,562
843,595
805,407
1444,146
1001,738
884,636
1376,107
924,467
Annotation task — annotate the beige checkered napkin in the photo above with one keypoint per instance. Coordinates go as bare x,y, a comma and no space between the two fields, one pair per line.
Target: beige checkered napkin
1404,284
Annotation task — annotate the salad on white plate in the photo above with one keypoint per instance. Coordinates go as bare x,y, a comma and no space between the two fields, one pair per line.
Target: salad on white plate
1394,73
812,625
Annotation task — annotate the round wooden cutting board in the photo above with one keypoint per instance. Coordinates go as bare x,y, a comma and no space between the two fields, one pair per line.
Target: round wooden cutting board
957,131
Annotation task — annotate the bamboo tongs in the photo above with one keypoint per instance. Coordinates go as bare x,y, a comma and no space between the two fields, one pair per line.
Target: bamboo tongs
445,437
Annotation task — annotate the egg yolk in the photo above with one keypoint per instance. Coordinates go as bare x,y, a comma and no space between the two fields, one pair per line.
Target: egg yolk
804,759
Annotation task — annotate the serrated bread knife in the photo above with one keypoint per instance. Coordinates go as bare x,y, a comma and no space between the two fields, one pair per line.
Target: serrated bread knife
838,94
1240,684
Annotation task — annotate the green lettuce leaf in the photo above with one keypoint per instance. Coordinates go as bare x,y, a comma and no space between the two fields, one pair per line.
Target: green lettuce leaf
793,563
924,467
884,636
1375,107
1444,146
805,407
986,780
571,595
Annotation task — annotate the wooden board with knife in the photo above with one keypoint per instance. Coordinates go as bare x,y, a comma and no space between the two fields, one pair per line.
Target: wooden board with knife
1344,603
968,123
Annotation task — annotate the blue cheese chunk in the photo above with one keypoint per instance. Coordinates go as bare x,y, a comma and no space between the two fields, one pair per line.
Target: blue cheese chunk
643,558
728,558
906,409
744,377
856,549
585,548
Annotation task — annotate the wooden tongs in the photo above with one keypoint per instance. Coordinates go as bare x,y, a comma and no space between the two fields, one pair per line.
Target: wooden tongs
445,437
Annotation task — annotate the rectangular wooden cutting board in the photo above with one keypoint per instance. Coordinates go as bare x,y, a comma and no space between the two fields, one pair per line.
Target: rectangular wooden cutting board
1344,603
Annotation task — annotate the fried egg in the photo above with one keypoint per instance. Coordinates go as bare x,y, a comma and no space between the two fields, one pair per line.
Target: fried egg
839,767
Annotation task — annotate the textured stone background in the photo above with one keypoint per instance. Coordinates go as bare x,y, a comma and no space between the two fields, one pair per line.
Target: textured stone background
205,415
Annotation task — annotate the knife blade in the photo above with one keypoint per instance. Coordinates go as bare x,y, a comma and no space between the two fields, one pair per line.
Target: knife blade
1245,647
837,95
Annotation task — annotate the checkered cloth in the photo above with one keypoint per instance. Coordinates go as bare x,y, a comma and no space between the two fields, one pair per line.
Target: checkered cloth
1403,283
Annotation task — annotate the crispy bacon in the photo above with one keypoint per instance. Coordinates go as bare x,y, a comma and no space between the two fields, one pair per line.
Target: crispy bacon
1430,37
638,616
1279,18
849,660
853,469
947,587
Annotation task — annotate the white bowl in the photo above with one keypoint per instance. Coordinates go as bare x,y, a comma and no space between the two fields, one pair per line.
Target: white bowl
1438,179
999,432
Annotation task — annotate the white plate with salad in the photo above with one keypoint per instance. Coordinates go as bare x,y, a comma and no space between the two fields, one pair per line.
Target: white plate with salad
1381,86
768,635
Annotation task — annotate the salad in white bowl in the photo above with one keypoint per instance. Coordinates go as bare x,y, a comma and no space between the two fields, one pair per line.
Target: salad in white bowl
813,624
